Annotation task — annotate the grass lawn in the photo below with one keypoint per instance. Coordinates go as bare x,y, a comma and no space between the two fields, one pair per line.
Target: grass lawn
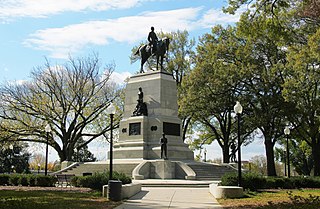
276,199
13,199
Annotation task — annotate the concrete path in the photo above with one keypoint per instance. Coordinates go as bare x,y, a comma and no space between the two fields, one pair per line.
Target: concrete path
171,197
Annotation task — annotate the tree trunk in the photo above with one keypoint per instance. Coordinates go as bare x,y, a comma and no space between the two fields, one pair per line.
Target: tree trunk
316,157
226,154
271,169
185,127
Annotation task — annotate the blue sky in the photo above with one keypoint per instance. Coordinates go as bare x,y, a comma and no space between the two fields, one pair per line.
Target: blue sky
31,32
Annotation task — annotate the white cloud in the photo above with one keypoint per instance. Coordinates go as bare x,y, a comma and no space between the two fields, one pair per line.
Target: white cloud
216,16
10,9
60,42
66,40
119,78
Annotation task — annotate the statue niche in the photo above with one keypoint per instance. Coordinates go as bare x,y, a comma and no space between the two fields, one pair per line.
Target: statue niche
141,107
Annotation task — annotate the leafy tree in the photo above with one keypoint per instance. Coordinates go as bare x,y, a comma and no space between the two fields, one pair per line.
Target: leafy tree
302,87
265,66
83,154
213,87
71,98
299,153
14,158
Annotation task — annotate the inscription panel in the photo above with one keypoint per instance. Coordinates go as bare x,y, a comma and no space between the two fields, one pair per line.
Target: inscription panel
134,129
171,129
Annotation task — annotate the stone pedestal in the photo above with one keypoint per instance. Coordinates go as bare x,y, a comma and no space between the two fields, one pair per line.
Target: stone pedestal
139,135
164,169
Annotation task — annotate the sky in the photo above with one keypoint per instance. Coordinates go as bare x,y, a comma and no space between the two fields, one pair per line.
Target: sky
34,30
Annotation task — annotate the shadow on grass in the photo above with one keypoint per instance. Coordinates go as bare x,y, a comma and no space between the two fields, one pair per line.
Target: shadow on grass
53,200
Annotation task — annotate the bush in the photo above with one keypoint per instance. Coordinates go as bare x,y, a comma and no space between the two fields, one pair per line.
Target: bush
250,181
255,181
14,179
229,179
75,181
32,180
23,180
97,180
4,179
45,181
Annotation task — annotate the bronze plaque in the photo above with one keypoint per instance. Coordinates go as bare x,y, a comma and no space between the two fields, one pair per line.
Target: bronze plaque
171,129
134,128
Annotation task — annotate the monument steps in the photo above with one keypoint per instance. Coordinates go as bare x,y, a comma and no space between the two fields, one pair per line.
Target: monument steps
207,171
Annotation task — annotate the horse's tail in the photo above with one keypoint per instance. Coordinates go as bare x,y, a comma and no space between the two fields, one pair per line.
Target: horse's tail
137,52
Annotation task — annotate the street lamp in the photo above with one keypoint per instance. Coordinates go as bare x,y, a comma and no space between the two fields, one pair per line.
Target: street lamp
287,132
238,110
111,110
39,168
48,130
205,155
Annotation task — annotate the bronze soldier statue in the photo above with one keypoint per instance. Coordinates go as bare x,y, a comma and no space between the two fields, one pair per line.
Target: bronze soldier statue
163,143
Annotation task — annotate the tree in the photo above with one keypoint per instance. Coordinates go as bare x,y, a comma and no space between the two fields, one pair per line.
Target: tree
212,88
303,88
264,68
83,154
71,98
299,153
14,158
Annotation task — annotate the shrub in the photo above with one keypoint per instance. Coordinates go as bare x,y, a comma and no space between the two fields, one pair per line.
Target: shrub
253,181
4,179
75,181
32,180
229,179
45,181
97,180
23,180
250,181
14,179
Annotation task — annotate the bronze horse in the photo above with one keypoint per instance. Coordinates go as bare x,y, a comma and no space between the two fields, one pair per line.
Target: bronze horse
162,48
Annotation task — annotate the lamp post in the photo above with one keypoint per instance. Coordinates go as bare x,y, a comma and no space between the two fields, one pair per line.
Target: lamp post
287,132
205,155
112,111
238,110
48,130
39,168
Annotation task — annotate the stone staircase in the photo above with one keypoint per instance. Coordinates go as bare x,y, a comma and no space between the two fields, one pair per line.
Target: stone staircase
207,171
84,168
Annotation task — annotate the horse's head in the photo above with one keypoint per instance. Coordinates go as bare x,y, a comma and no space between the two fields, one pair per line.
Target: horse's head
166,40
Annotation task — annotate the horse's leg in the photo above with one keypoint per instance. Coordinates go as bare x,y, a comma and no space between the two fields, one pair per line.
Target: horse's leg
157,61
161,63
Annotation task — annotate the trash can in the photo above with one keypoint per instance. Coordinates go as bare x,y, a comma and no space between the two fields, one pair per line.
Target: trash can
114,190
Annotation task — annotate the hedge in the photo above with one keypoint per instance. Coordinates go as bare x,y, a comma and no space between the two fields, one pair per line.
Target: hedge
97,180
27,180
254,181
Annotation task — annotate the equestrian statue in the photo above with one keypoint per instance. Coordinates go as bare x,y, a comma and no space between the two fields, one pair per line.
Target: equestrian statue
154,47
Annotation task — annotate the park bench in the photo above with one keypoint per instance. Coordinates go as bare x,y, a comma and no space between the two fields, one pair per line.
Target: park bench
64,179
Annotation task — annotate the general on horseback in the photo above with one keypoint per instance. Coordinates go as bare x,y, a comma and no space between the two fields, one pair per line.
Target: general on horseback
155,47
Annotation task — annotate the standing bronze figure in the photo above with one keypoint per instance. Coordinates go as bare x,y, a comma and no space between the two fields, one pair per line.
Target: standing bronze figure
163,143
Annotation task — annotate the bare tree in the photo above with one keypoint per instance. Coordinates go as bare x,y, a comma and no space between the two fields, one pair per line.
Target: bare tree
71,98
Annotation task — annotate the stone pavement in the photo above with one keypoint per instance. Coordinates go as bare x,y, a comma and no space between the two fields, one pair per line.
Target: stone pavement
171,197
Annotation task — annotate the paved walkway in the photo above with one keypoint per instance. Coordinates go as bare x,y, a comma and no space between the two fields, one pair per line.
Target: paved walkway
171,197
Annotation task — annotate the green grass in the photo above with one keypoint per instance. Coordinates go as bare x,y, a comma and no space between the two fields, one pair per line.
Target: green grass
53,200
275,199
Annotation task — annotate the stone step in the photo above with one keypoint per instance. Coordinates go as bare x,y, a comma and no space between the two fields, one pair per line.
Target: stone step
206,171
